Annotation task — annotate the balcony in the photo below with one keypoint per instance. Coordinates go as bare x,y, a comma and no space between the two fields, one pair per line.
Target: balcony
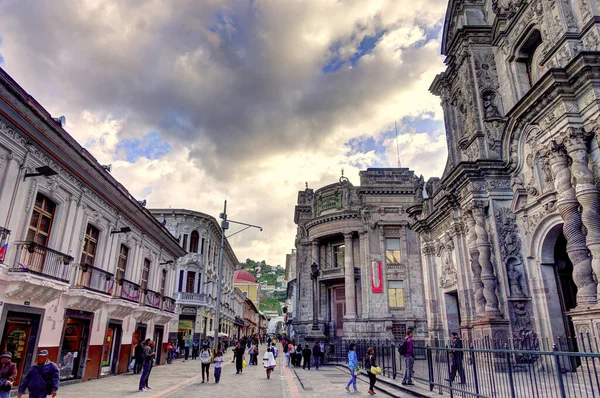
128,290
169,305
184,298
149,306
151,299
41,260
126,298
38,274
91,289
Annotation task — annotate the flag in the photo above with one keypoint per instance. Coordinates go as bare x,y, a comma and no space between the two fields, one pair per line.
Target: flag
3,251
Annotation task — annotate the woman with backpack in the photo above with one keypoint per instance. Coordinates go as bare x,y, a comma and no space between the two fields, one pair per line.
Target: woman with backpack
369,363
352,365
206,358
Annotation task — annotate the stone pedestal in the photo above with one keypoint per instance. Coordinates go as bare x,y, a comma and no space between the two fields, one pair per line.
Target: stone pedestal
490,333
586,322
315,334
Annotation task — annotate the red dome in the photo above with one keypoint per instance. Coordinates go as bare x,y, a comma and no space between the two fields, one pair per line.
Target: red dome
241,275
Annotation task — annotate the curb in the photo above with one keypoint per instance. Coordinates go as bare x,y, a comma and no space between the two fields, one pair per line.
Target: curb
388,384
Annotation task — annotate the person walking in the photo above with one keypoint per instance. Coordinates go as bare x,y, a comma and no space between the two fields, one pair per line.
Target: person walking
218,365
195,349
269,362
292,352
239,358
8,372
369,363
286,352
316,352
322,355
457,359
42,378
299,355
206,359
306,355
409,357
352,365
170,353
146,366
138,355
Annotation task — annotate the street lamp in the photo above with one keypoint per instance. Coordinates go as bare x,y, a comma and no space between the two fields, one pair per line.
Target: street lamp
224,226
315,332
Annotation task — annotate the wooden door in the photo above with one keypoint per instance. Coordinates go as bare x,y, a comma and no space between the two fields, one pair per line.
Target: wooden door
339,297
15,340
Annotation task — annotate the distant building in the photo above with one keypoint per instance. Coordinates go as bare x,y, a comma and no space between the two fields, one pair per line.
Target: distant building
248,285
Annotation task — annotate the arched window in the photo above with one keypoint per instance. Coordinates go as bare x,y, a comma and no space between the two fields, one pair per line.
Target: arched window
194,240
41,220
528,59
90,245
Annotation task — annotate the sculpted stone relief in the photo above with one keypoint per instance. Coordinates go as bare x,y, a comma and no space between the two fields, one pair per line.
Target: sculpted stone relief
443,249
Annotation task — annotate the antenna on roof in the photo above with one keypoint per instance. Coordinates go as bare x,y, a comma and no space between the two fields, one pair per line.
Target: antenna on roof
397,147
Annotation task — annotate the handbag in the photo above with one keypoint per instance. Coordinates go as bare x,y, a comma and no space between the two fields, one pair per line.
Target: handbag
131,365
376,370
243,363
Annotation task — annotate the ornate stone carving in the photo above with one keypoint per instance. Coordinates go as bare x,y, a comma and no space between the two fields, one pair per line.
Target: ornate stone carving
568,206
30,194
443,248
475,266
586,193
487,268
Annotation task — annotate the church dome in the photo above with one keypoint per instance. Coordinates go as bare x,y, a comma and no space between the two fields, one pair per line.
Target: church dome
241,275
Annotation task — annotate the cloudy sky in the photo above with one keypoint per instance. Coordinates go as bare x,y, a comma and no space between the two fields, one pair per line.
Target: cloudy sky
194,102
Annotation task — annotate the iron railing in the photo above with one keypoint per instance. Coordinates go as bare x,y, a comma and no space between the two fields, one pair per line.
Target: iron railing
128,290
37,259
169,305
517,368
95,279
192,297
151,299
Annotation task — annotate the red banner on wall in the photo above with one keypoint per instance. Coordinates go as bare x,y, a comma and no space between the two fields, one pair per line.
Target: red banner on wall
376,277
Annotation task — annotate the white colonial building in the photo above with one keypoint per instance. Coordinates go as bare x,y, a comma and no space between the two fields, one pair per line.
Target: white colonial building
196,281
85,270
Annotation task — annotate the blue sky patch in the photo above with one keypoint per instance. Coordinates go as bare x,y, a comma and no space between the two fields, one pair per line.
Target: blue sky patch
150,146
365,47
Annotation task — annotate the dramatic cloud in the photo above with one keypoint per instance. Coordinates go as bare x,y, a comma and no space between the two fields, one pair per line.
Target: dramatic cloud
194,102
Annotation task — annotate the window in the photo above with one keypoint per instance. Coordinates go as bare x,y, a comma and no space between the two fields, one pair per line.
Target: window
194,239
202,247
527,65
338,255
90,245
392,251
180,287
163,282
399,331
145,274
41,220
122,265
396,294
184,243
199,283
189,286
211,323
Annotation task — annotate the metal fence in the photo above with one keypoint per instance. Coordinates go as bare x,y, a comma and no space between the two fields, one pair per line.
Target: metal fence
492,368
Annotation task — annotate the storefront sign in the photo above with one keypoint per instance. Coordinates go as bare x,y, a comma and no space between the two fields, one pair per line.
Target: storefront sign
376,277
329,202
189,310
186,324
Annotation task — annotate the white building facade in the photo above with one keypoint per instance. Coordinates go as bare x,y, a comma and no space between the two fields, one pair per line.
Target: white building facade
196,276
85,269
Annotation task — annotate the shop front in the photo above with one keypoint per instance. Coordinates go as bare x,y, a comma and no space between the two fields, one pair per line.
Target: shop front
111,347
20,335
75,342
185,329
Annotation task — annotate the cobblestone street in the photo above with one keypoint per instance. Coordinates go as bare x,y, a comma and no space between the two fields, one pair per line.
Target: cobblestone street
182,379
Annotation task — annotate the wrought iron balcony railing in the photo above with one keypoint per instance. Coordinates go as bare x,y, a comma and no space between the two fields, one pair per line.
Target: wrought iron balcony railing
37,259
168,304
92,278
127,290
152,299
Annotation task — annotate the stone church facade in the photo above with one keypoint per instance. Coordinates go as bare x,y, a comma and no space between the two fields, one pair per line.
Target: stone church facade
368,278
510,233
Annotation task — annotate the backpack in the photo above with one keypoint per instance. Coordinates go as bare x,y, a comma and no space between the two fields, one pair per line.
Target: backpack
403,347
205,356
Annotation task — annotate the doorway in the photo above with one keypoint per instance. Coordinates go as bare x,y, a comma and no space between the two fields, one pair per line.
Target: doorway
339,309
74,348
566,288
452,311
138,335
158,340
19,338
110,349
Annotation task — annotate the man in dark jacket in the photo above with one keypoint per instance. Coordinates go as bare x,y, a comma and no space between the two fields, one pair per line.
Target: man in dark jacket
238,353
316,351
42,378
306,354
457,359
138,354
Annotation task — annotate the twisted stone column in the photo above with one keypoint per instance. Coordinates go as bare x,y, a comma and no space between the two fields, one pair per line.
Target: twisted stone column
568,207
485,259
586,193
350,289
475,266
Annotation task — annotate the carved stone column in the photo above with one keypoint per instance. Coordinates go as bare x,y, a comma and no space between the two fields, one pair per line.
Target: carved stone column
349,276
485,260
475,265
586,193
434,317
568,207
316,248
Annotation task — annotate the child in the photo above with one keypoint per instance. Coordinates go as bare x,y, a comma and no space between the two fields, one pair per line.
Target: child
218,363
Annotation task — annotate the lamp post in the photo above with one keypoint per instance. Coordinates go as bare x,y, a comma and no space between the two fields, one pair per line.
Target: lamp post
224,226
